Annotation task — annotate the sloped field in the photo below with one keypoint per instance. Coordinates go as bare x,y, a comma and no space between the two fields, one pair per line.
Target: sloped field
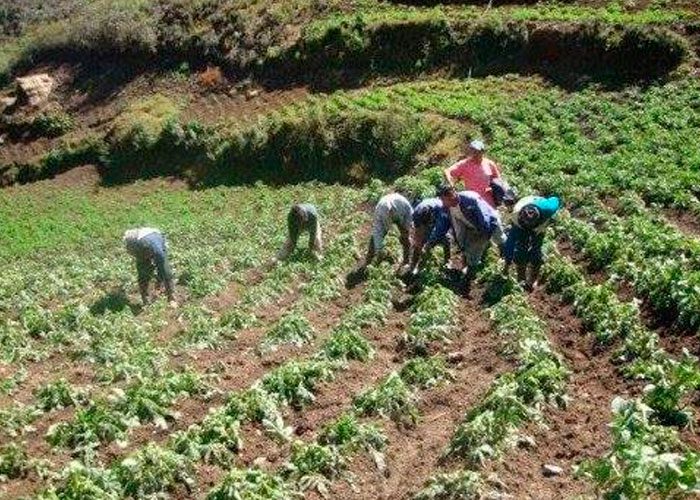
280,381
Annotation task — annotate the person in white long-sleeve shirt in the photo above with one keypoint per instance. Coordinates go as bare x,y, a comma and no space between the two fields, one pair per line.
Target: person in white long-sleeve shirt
392,209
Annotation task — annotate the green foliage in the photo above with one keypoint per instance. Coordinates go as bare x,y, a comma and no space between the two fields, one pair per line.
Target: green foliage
293,382
292,328
517,397
348,432
53,124
463,485
646,459
58,394
92,425
392,398
346,343
215,440
124,28
136,131
239,484
425,372
13,462
80,481
432,319
671,381
153,470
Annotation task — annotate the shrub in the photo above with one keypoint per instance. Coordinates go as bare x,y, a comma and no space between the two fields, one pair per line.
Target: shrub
137,129
114,29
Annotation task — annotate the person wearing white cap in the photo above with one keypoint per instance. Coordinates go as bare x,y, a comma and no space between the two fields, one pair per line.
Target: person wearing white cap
476,172
147,246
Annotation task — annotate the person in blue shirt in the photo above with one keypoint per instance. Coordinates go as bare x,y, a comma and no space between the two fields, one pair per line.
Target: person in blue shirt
531,216
474,222
427,217
147,246
302,217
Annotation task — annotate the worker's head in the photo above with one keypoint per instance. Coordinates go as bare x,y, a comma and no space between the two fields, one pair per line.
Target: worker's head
476,149
448,195
529,217
424,219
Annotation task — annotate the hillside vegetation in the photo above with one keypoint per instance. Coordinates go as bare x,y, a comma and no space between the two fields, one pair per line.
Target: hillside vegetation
208,119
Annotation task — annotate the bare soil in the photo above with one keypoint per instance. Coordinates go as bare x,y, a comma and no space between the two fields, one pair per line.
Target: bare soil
575,433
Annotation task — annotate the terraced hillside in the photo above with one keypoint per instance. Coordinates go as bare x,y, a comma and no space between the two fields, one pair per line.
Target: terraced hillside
208,119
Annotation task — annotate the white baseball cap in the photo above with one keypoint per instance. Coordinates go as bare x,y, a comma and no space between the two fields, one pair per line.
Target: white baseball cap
477,145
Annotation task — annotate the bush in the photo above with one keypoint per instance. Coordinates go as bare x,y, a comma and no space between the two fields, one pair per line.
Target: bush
114,29
324,146
52,124
137,130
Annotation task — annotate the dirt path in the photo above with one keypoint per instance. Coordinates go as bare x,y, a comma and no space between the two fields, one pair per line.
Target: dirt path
575,433
412,455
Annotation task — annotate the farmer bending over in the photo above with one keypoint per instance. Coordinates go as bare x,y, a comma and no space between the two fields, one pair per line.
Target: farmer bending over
476,172
147,246
302,217
474,222
391,209
428,216
531,216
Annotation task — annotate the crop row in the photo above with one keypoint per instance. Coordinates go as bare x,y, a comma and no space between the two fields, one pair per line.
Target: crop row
149,400
316,464
217,436
514,398
647,456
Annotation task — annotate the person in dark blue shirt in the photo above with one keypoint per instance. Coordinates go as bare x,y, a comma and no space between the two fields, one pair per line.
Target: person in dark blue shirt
474,222
428,215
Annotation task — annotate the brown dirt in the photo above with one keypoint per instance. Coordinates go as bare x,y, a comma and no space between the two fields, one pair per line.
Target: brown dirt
685,221
412,454
95,103
575,433
242,364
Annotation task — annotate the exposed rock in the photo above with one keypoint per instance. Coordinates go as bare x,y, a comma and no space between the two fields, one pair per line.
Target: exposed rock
549,470
35,89
455,357
252,93
7,102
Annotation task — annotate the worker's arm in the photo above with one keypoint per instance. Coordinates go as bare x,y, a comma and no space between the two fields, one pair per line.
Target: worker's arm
450,173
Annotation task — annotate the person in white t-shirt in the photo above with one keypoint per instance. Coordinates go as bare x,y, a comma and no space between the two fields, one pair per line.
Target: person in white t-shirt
392,209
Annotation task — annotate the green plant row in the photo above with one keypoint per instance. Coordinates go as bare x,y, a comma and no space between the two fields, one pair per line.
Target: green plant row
156,469
647,456
610,319
148,400
662,268
315,465
517,397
